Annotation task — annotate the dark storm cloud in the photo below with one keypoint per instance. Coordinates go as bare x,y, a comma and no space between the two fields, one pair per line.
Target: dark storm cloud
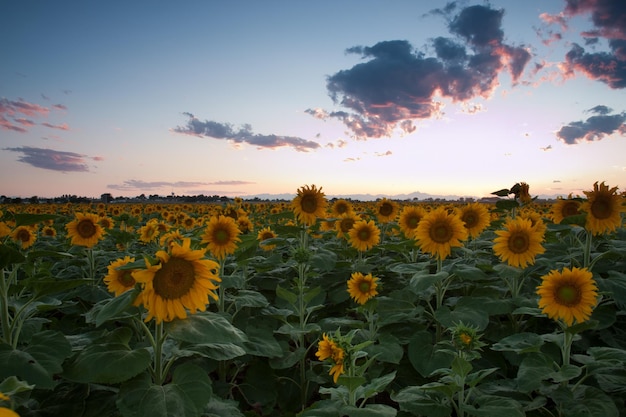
244,134
609,20
149,185
398,84
596,127
52,160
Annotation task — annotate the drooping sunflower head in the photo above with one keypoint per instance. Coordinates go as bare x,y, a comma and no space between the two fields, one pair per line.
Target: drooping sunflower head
119,281
476,218
25,236
341,207
85,230
309,204
524,193
362,287
386,210
410,218
563,208
364,235
181,281
519,243
603,208
264,234
439,231
328,348
221,236
569,295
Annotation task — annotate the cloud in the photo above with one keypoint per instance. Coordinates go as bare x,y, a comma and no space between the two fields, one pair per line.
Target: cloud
609,21
595,127
145,185
546,148
226,131
52,160
384,153
10,111
398,84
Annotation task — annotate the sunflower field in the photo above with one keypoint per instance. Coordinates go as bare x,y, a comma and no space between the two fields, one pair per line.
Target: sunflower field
315,308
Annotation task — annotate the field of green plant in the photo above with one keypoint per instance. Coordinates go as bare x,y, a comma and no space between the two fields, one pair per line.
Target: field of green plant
315,308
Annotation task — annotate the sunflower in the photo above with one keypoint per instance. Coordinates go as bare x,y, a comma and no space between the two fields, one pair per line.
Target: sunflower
386,210
309,204
244,223
106,222
119,281
409,219
181,280
439,231
519,243
5,230
148,232
364,235
264,234
345,223
85,230
476,218
327,348
25,236
168,238
569,295
564,208
603,208
524,194
49,231
341,207
362,287
221,236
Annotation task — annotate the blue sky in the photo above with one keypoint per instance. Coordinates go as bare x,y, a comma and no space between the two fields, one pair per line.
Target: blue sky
241,98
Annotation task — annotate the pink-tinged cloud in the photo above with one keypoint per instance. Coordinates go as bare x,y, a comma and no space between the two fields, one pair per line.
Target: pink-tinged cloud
609,20
52,160
555,19
397,84
151,185
59,107
25,122
12,107
63,126
7,125
98,158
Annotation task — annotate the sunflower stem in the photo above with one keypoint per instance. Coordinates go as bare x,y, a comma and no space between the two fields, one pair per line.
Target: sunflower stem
566,348
159,339
4,313
587,250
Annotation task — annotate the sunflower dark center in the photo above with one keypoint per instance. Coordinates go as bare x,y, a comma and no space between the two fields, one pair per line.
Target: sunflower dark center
601,209
470,219
86,228
441,232
364,286
519,243
570,209
346,225
386,209
308,204
23,235
126,279
567,295
175,278
267,235
221,236
341,208
413,221
364,234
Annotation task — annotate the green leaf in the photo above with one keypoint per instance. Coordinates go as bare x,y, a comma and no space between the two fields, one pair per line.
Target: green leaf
416,400
248,298
12,385
286,295
506,204
186,396
502,193
519,343
591,402
565,373
112,308
218,407
39,362
493,406
534,368
217,351
288,359
109,363
10,256
370,410
352,382
388,349
423,281
323,260
203,328
261,342
462,314
460,366
26,219
375,386
424,357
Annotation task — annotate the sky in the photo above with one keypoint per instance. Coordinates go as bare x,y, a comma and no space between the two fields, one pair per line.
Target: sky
241,98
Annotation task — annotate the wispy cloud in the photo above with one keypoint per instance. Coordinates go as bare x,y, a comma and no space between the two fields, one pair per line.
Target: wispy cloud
594,128
398,84
217,130
156,185
12,110
53,160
